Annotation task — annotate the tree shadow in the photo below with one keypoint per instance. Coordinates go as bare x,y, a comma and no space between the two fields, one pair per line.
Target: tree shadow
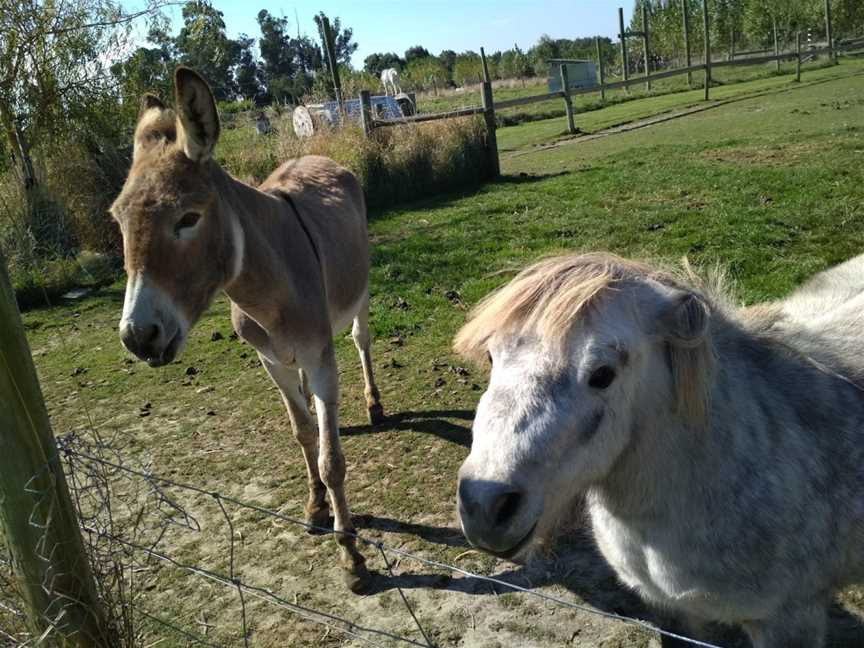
529,178
430,422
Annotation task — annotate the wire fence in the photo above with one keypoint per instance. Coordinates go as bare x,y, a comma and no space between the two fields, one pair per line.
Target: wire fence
127,540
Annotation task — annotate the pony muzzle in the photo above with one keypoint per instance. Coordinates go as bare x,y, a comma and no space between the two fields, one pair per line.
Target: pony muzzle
495,516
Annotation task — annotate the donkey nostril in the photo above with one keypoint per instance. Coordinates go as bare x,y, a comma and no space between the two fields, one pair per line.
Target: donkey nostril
151,334
505,507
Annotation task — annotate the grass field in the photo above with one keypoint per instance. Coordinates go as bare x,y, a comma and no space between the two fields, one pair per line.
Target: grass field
768,186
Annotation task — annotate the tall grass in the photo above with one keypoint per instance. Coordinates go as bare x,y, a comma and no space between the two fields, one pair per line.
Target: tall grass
395,165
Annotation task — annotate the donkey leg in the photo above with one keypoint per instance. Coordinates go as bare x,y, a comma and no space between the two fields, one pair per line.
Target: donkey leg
288,380
324,381
360,333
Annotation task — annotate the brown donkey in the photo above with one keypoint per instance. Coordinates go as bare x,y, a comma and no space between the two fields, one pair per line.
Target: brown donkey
292,256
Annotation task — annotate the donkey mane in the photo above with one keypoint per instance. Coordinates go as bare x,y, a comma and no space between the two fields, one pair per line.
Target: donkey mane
548,297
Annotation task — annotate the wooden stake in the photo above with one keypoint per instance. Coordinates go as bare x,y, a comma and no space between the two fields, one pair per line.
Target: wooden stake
485,66
333,64
776,45
600,69
489,118
366,112
36,513
568,106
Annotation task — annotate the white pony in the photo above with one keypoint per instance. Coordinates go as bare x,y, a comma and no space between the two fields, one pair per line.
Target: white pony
390,81
721,450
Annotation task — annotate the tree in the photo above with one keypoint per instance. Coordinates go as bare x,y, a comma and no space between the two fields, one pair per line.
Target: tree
467,69
376,63
54,73
448,58
203,45
416,52
425,73
248,74
343,48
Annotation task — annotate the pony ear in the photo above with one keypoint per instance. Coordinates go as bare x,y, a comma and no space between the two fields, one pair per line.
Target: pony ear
198,128
684,319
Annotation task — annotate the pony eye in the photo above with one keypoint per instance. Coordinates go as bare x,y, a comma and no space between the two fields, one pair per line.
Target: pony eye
602,377
489,357
189,219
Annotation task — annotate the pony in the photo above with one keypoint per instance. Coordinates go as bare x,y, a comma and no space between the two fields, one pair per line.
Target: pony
390,81
719,450
292,256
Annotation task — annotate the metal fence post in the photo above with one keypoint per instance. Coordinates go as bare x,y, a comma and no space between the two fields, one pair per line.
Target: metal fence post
489,118
38,519
645,45
568,106
685,10
798,56
624,64
707,26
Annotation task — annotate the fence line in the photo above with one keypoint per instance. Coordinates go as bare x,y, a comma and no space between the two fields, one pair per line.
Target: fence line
318,616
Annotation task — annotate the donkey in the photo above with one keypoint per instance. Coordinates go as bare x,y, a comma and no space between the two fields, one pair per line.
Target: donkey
720,451
292,256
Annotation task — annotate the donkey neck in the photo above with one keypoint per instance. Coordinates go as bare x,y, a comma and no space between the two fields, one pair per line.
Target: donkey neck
273,244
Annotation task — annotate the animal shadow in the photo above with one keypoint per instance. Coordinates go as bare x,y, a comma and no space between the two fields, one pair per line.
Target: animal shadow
431,422
576,565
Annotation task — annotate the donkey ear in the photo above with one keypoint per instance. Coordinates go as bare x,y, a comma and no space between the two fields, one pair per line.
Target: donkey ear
149,102
196,109
684,319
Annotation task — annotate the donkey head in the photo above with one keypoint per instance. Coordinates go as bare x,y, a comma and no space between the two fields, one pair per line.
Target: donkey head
562,405
180,243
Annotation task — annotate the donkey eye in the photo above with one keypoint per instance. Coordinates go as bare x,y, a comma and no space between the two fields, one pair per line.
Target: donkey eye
489,357
602,377
189,219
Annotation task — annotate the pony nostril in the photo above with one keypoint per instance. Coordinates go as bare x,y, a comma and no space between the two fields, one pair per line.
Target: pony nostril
505,507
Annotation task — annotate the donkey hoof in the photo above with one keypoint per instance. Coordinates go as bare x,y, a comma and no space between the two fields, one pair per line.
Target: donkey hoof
358,579
376,414
318,521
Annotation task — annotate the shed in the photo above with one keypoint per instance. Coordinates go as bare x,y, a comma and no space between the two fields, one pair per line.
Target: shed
580,73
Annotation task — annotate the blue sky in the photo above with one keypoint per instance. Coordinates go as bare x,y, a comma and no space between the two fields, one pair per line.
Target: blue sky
391,26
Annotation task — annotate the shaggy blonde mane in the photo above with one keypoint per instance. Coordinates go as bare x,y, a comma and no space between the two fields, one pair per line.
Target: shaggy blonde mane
548,297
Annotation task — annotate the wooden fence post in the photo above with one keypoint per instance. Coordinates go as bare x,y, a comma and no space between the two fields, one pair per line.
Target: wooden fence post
776,45
485,65
36,513
568,105
831,53
366,112
707,26
489,118
600,69
333,64
624,64
798,56
645,46
685,10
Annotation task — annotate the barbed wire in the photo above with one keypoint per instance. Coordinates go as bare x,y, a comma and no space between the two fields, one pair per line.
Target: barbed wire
319,616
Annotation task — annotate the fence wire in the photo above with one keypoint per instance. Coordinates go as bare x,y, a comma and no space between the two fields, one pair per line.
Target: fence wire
92,467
